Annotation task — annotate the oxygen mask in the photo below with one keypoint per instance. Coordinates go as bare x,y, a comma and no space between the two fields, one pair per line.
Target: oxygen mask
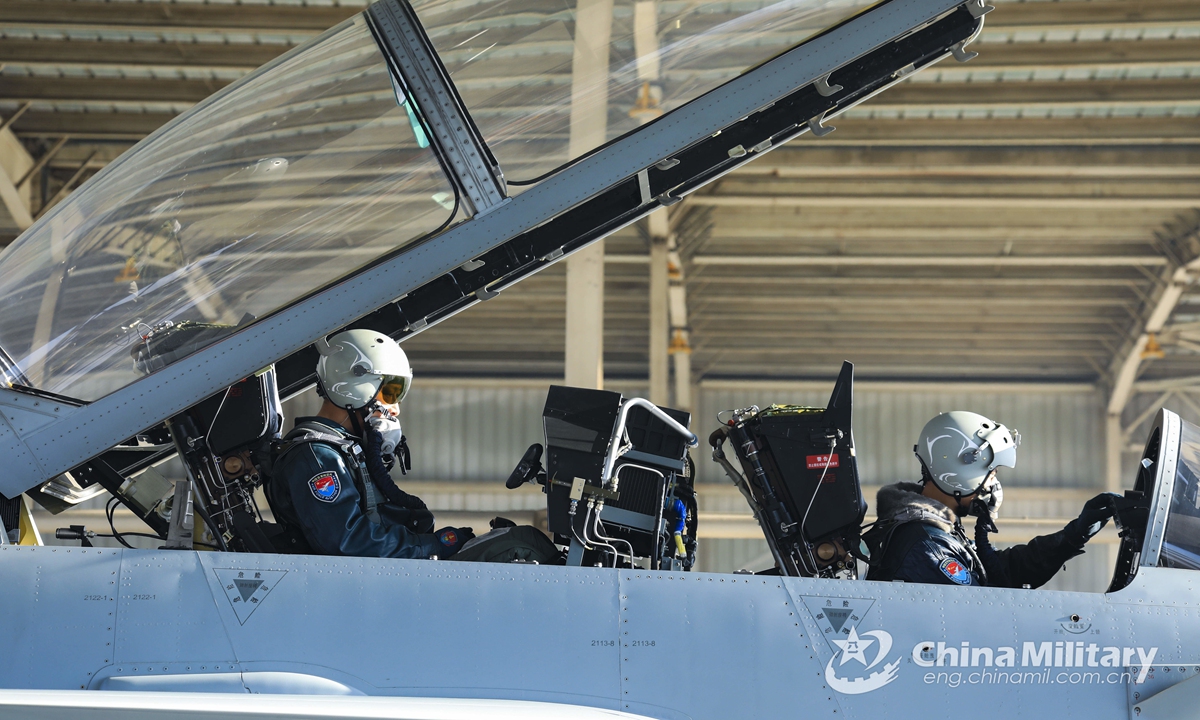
387,425
986,505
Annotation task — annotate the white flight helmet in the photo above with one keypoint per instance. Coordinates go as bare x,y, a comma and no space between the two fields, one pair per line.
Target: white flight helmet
356,364
960,448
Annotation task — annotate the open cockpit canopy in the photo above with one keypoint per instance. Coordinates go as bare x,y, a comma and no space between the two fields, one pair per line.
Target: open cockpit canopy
1159,520
318,164
522,70
303,172
359,180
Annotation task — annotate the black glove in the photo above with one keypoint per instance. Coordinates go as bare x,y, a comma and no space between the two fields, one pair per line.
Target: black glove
403,456
418,521
983,517
378,471
412,502
1094,516
993,565
452,540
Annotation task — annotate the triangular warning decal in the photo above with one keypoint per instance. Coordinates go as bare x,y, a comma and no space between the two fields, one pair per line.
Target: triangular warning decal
836,617
246,589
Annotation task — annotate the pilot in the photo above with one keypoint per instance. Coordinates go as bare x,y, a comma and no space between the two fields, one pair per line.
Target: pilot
332,481
919,535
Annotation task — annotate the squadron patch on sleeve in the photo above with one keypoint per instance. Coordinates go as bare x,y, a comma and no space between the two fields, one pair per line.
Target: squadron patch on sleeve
448,538
325,486
954,570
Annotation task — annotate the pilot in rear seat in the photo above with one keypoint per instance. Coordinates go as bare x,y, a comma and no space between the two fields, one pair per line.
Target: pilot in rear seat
331,482
919,536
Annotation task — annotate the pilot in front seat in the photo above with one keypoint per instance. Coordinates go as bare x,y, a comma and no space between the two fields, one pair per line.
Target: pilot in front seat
333,487
919,536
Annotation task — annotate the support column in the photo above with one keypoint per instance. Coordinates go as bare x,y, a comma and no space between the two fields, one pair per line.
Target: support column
589,126
1114,445
585,317
660,370
645,109
680,348
14,166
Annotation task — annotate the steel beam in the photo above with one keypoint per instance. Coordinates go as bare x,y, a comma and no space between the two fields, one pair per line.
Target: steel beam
8,121
992,132
182,15
1163,384
256,18
46,158
852,131
1117,14
1051,261
808,160
947,201
14,160
241,55
1094,55
1125,366
67,186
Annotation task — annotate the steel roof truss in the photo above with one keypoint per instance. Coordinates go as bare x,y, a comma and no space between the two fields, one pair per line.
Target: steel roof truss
583,202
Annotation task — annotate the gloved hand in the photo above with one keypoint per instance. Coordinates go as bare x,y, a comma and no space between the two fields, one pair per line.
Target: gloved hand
452,540
378,470
412,502
1094,516
983,517
418,521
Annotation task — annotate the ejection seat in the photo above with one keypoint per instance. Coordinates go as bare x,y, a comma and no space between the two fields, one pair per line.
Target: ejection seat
801,480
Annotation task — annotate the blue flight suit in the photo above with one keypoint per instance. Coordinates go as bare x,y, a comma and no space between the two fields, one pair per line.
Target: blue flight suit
920,540
314,487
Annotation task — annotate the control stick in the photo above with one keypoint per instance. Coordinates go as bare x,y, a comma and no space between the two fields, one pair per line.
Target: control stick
528,469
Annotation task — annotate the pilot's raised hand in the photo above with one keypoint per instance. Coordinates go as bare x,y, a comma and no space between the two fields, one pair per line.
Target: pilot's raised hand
1093,517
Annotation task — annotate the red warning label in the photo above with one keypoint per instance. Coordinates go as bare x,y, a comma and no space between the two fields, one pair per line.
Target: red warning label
820,462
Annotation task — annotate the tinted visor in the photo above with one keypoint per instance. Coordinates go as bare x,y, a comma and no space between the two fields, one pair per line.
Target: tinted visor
394,388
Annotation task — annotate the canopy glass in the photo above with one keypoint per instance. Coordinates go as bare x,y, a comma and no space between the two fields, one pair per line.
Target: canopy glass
304,171
543,94
1181,543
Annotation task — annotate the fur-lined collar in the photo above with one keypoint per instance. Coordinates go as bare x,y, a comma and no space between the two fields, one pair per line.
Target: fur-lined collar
903,502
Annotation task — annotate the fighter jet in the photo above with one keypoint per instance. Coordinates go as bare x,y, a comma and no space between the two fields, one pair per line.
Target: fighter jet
391,173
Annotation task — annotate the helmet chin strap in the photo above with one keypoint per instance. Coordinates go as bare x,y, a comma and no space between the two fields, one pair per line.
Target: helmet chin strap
356,422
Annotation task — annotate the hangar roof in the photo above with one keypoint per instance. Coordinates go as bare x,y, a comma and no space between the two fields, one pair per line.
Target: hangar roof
1028,215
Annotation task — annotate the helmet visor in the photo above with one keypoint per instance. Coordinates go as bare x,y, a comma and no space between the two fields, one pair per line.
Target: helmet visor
394,388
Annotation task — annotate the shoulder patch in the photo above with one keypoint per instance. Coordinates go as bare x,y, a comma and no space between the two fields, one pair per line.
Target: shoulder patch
325,486
954,570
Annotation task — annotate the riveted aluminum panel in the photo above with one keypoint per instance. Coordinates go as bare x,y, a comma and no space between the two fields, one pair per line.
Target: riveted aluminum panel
415,627
166,613
57,612
716,646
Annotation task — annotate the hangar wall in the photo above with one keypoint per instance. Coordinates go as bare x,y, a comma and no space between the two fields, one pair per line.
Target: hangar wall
475,430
